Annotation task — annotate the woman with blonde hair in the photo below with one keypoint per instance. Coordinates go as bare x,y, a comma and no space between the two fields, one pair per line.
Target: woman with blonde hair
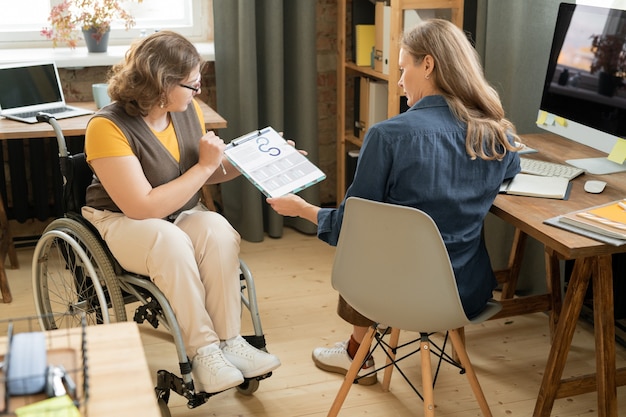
447,155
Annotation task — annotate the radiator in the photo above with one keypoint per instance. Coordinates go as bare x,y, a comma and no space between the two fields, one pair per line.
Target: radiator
30,182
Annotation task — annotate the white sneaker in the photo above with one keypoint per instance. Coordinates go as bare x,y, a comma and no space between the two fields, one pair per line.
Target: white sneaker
212,372
248,359
336,359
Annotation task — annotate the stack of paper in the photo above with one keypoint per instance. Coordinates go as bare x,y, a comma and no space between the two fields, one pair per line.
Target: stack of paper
608,220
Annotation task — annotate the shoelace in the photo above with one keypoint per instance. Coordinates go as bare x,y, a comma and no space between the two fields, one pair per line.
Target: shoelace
213,358
241,349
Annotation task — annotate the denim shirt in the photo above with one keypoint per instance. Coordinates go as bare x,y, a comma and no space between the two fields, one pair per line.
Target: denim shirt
418,159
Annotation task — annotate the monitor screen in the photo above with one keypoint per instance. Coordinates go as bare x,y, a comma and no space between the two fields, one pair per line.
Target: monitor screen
584,82
28,85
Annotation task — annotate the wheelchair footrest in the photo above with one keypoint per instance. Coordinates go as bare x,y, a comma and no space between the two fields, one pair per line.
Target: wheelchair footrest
148,312
256,341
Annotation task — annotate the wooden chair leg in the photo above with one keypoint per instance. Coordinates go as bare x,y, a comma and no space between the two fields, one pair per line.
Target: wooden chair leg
348,381
459,348
393,344
427,377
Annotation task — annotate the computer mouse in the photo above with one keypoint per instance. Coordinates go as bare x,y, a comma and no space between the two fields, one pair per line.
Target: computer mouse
594,186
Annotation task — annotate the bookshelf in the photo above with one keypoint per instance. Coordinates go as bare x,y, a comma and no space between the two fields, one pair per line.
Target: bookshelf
347,69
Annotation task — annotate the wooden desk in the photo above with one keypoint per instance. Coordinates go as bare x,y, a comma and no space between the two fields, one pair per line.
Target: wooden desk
120,384
592,258
75,126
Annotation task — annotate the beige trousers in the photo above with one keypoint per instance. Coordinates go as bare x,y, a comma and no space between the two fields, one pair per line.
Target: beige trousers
193,261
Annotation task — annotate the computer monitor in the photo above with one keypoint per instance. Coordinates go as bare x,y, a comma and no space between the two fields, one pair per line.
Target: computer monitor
584,93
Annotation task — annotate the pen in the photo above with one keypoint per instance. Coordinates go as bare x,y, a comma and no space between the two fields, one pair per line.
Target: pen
221,164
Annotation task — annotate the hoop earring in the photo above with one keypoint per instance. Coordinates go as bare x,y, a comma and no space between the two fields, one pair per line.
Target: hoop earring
427,77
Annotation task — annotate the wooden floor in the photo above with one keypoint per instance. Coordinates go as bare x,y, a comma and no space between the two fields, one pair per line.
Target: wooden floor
297,307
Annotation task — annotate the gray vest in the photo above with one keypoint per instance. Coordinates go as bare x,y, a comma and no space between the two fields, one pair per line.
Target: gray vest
158,164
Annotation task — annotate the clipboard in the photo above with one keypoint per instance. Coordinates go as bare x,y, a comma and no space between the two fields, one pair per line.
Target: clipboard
271,164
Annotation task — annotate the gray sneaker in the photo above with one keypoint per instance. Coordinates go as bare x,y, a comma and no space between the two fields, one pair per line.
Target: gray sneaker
336,359
212,372
248,359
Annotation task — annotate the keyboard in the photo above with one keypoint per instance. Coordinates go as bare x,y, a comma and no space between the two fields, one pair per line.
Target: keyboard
549,169
55,110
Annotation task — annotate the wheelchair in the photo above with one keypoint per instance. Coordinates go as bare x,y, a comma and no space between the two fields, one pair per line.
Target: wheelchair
74,275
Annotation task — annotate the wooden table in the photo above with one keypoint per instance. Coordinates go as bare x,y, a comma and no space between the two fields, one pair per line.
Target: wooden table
591,258
75,126
120,384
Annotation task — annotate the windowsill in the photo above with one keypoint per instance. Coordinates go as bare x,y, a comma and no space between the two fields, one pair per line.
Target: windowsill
79,57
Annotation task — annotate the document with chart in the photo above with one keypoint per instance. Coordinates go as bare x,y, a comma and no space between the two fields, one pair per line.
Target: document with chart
271,164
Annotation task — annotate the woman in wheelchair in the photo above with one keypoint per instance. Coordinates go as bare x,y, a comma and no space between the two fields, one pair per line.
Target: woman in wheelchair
151,156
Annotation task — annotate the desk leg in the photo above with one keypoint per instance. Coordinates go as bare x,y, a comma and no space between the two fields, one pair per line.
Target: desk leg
563,337
553,283
604,328
509,276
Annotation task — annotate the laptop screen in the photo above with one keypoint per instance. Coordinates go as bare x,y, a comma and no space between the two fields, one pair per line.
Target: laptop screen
28,85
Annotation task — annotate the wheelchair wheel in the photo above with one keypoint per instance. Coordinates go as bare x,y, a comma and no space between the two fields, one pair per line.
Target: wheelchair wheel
73,275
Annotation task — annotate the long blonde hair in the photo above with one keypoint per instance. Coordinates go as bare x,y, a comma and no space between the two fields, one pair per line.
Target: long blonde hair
459,77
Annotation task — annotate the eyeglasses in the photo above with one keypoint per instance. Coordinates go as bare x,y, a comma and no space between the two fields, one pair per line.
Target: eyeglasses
196,90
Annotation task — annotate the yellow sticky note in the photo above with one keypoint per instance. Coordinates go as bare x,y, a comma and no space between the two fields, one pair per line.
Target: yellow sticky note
618,153
560,121
541,120
52,407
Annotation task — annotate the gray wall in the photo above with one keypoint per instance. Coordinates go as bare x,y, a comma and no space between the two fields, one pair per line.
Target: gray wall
514,39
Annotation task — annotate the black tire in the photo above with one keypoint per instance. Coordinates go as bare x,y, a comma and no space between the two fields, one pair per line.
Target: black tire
73,275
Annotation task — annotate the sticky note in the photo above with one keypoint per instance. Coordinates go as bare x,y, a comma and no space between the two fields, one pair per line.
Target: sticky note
560,121
541,120
52,407
618,153
549,120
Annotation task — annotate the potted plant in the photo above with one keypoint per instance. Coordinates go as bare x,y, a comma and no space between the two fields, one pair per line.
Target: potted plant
609,60
93,17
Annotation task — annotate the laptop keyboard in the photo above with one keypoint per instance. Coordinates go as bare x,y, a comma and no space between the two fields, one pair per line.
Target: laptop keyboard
55,110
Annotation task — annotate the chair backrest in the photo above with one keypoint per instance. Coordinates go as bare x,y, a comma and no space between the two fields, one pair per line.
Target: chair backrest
78,176
392,266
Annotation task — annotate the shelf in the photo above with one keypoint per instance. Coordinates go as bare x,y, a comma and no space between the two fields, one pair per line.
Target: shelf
366,71
347,69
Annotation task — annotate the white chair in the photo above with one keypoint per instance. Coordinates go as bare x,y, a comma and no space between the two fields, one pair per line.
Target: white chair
392,266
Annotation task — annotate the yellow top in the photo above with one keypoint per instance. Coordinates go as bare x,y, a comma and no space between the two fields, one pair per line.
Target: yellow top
104,139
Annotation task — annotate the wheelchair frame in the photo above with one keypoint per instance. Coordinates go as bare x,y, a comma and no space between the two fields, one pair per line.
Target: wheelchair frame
73,272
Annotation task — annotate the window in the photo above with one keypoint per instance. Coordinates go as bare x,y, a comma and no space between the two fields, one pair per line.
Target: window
21,21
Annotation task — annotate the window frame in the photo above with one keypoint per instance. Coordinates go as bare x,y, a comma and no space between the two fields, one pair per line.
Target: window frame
200,31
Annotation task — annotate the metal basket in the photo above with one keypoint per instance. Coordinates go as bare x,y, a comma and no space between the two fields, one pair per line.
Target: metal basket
66,378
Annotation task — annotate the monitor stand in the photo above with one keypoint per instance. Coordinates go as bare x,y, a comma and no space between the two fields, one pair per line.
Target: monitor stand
598,166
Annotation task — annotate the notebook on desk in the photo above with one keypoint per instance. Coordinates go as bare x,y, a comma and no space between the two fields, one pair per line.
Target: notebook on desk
27,89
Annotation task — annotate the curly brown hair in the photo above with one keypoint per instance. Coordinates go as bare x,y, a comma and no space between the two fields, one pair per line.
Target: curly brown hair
152,66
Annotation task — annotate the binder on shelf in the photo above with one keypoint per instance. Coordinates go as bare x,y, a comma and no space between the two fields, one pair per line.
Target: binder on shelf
363,12
383,36
356,107
372,103
352,157
365,40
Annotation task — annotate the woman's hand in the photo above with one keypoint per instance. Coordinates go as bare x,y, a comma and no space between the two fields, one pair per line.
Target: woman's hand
211,151
292,143
294,206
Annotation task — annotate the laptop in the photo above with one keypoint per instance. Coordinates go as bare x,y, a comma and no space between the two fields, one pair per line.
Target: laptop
29,88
